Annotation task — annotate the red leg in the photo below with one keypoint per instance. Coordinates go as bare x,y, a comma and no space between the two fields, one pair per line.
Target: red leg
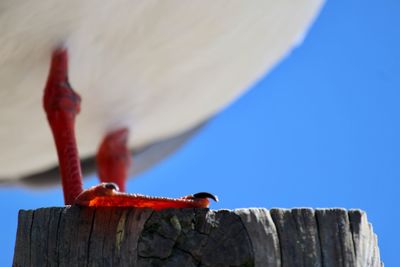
62,104
113,158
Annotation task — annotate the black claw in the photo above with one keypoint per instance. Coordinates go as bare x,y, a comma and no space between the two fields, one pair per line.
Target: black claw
206,195
111,186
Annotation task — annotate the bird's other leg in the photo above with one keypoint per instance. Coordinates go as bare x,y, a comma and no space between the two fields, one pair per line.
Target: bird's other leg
62,104
113,158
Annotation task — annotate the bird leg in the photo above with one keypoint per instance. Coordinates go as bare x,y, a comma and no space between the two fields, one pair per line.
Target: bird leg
62,104
113,158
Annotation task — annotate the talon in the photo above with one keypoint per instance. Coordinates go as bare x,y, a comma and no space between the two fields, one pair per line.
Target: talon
206,195
112,186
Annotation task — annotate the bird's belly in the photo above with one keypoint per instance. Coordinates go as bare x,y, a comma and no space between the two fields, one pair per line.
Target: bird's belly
159,67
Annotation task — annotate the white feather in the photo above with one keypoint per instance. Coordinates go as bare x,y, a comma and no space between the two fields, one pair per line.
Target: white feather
159,67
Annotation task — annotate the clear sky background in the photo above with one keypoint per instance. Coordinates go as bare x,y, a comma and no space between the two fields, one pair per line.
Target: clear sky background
321,130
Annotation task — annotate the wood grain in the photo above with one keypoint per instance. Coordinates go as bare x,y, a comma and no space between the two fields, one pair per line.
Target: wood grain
76,236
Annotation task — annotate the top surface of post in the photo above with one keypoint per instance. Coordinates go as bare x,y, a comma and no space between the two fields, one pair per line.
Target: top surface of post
75,236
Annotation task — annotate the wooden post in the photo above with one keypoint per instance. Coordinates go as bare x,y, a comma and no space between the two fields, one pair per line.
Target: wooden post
75,236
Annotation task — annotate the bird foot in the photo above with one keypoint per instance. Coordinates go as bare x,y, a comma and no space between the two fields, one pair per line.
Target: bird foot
108,195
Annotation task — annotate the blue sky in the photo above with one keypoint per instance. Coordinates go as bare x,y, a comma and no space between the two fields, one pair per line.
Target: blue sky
321,130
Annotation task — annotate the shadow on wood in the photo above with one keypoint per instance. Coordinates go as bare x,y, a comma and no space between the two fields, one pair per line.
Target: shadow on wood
75,236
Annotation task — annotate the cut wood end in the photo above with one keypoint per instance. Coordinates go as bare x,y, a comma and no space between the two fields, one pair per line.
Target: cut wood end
193,237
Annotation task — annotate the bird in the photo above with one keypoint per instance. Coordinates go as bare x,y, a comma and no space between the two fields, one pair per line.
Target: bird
160,69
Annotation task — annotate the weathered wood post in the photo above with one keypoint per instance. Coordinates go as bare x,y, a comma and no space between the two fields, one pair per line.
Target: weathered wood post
75,236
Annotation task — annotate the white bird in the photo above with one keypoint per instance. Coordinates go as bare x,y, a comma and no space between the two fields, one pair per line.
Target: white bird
161,68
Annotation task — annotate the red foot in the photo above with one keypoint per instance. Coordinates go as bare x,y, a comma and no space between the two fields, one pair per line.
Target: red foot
62,104
107,195
113,158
